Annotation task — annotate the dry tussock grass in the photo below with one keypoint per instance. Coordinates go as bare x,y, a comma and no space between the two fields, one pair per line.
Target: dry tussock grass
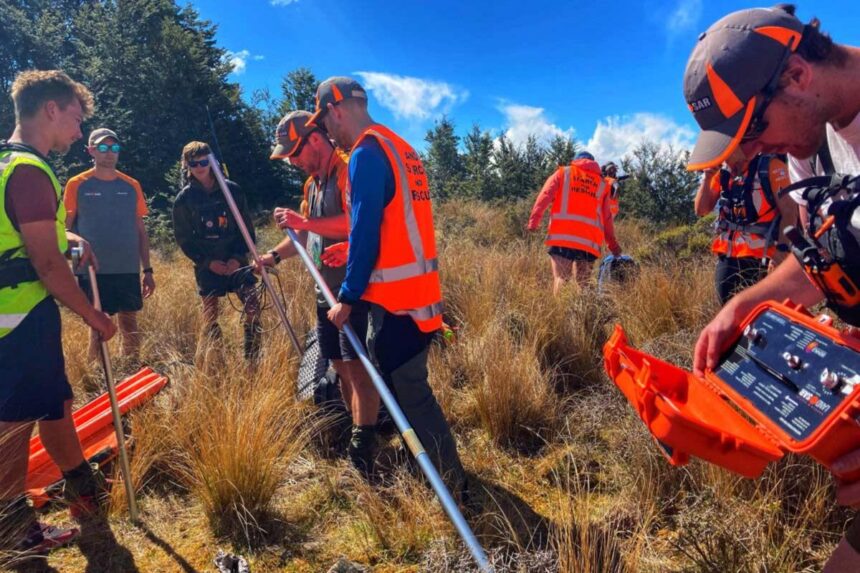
566,477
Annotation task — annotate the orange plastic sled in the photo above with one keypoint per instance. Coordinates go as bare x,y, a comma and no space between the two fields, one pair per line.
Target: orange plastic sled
747,412
95,429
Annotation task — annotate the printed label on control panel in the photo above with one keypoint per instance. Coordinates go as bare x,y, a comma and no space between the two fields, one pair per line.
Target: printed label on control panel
791,374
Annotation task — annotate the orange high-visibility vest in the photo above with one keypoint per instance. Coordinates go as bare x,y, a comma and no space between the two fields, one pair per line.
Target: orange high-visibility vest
576,219
405,278
748,217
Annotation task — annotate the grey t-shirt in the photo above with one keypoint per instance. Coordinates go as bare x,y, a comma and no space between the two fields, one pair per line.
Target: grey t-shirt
325,199
106,214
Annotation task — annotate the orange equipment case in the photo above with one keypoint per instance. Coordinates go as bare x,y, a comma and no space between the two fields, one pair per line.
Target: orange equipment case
789,382
94,424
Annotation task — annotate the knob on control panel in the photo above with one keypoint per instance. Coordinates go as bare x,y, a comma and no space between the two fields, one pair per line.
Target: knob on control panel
754,335
830,380
793,360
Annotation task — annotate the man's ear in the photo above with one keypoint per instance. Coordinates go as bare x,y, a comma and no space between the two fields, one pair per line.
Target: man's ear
51,108
797,75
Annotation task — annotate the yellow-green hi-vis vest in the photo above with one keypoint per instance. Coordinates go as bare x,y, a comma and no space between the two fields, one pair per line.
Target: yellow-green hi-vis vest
17,301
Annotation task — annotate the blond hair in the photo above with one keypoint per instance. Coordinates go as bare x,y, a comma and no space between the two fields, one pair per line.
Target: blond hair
194,149
32,88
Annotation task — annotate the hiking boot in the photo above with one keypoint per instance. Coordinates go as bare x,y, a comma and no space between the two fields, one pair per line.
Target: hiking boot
86,492
42,538
362,449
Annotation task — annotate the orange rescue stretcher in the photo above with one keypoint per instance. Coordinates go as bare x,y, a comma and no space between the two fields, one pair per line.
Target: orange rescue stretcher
790,382
94,425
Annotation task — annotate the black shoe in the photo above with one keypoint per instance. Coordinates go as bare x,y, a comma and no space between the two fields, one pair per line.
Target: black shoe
362,449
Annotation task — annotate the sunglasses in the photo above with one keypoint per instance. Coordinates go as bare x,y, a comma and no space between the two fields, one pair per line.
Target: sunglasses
198,163
758,125
104,147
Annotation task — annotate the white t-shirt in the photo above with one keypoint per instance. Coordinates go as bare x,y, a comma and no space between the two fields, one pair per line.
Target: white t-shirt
844,149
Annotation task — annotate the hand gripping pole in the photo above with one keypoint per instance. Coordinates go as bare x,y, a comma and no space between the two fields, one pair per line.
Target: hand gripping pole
409,435
279,303
114,408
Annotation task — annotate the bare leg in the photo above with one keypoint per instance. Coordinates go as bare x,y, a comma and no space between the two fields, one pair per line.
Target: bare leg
61,440
843,559
210,316
346,389
583,272
94,348
130,334
365,398
562,271
14,451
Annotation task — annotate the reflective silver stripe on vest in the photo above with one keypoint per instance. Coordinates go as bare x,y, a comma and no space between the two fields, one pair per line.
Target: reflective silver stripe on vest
404,272
421,266
574,239
757,228
428,312
565,189
412,230
11,320
577,218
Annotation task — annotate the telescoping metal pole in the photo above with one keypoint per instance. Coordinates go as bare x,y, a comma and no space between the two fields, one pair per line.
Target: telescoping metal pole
114,408
409,435
279,304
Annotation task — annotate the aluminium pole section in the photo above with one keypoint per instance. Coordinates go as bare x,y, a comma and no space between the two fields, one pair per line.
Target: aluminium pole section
409,435
114,408
279,304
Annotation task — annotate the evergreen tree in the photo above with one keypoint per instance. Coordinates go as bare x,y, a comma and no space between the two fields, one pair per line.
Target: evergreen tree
442,160
561,152
660,188
298,91
481,180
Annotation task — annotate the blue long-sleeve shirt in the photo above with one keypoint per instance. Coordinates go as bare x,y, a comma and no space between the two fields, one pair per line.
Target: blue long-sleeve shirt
371,181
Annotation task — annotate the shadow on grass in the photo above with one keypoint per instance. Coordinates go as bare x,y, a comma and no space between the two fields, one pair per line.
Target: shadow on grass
167,548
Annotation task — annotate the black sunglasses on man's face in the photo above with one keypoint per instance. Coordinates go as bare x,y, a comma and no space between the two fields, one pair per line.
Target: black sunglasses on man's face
198,163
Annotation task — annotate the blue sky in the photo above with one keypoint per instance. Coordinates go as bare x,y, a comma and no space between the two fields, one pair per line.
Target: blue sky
607,72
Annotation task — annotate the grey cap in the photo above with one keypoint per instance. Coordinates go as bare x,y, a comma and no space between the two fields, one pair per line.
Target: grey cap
333,91
292,129
731,65
100,134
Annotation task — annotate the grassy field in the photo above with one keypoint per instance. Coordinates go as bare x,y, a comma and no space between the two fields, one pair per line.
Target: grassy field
566,476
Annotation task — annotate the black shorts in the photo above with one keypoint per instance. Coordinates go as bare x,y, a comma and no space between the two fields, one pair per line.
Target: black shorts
571,254
334,344
118,293
33,383
210,284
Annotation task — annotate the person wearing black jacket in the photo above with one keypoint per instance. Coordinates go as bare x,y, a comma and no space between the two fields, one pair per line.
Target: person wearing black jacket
209,235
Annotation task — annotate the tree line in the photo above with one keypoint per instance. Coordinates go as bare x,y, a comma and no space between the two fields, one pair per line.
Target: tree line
158,75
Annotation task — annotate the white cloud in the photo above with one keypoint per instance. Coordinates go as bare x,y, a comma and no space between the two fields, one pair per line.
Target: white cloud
521,121
282,2
616,136
239,60
684,17
412,98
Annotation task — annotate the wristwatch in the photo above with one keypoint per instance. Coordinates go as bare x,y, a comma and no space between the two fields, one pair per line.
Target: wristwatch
148,270
275,255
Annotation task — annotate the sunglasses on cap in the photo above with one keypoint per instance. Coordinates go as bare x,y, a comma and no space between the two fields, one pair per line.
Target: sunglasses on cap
104,147
198,163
